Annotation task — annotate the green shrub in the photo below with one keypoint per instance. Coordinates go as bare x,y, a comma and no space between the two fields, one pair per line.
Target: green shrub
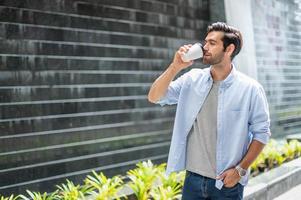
170,187
166,193
274,155
103,188
11,197
70,191
39,196
143,177
149,181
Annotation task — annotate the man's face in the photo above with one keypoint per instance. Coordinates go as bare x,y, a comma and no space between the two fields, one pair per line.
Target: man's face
213,48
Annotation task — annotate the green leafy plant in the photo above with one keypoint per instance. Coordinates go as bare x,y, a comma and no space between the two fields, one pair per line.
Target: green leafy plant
174,179
106,188
181,177
166,193
11,197
170,188
70,191
289,151
292,149
39,196
274,155
143,177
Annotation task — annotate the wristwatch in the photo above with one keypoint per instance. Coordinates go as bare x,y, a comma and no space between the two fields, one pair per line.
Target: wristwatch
241,172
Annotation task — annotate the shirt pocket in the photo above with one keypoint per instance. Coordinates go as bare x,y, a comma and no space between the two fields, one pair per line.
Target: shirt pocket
235,112
235,119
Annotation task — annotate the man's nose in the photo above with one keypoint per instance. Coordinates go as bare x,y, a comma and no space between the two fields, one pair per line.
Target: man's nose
205,47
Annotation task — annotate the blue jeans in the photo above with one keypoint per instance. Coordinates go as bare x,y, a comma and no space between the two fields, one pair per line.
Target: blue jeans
197,187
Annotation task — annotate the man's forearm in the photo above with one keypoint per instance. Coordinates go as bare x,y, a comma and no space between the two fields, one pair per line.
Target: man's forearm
252,153
159,87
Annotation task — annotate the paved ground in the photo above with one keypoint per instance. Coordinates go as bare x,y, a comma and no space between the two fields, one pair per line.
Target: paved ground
292,194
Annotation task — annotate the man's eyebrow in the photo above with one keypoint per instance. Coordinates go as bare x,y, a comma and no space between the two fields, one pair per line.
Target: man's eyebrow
210,40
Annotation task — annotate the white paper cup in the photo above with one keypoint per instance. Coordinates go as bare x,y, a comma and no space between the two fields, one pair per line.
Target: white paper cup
194,52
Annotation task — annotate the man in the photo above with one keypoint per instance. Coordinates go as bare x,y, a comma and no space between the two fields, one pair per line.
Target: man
222,118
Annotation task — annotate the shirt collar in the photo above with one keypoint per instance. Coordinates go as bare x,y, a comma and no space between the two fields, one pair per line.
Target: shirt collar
227,81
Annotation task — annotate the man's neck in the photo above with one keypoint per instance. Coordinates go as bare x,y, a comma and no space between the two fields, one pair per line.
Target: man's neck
220,71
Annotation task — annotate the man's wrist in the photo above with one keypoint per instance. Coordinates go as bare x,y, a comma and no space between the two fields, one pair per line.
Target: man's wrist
174,68
241,171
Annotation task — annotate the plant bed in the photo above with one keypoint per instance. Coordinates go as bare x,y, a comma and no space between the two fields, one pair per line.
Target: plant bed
274,155
149,181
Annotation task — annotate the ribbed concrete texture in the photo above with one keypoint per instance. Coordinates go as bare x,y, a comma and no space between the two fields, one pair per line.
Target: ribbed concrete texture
292,194
277,31
74,81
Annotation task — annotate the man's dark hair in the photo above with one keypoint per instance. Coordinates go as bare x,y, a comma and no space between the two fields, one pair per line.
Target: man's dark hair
231,36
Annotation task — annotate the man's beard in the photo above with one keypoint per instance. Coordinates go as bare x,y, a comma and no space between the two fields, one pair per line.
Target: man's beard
213,60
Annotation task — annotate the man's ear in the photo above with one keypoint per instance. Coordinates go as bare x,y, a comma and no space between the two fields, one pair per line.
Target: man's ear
230,49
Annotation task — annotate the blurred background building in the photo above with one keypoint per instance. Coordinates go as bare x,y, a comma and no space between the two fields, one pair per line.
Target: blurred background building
75,76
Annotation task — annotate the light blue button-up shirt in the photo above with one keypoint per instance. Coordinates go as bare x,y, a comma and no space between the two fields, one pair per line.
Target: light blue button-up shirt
242,116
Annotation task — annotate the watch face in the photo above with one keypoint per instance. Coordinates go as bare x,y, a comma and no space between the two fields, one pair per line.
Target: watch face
243,172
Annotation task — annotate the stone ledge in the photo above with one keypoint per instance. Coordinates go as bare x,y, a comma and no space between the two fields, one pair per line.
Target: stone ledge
294,137
275,182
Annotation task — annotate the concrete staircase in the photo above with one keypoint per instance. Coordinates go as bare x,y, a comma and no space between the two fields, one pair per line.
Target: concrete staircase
73,85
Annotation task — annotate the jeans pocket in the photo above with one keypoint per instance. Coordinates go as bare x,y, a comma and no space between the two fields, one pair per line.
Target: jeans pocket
235,192
231,188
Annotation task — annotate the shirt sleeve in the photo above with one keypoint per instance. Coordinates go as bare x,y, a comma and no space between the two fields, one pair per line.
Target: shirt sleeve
259,121
173,91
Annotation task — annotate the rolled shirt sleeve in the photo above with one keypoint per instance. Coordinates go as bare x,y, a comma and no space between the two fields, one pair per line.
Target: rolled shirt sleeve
173,91
259,121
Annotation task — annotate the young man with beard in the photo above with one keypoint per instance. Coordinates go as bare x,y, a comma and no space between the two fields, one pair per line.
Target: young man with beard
222,118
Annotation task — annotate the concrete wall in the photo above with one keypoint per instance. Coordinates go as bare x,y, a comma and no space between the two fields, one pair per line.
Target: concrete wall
277,28
271,54
73,85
